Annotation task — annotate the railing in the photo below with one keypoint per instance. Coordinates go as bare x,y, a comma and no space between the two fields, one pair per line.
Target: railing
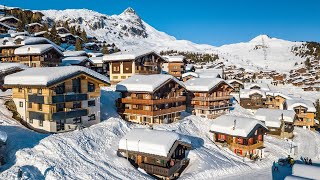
247,147
213,107
69,114
147,72
301,115
212,98
161,171
156,112
40,99
153,101
303,123
150,64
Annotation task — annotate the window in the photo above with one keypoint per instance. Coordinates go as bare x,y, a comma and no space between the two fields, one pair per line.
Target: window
39,91
20,104
29,90
20,90
115,77
92,117
40,107
41,123
91,87
123,77
30,121
76,105
29,105
91,103
77,120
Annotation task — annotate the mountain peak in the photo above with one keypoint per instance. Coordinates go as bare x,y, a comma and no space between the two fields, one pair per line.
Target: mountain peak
260,38
129,10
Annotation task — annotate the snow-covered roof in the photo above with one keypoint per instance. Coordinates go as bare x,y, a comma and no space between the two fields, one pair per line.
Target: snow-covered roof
236,126
306,171
39,33
234,80
97,60
37,49
34,24
203,84
194,74
8,17
7,26
263,86
295,102
74,53
95,54
11,66
15,34
174,58
155,142
272,117
47,76
210,73
145,83
74,60
66,34
127,55
246,93
274,94
189,67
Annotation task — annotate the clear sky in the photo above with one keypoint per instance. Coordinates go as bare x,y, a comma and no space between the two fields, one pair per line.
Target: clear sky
214,22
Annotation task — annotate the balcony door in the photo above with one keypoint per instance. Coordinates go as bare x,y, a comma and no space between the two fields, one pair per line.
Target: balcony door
60,124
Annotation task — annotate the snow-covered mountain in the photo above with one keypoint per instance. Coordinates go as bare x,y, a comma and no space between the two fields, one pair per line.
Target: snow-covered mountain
129,31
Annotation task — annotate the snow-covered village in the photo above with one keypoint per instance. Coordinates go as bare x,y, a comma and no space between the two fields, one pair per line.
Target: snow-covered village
90,96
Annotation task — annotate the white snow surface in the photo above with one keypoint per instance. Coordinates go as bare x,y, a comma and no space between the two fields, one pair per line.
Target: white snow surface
47,75
145,83
235,126
272,117
35,49
74,53
156,142
10,66
203,84
306,171
292,103
174,58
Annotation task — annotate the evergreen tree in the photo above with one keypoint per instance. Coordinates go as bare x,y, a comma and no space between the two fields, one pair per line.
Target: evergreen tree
105,49
317,109
21,25
78,45
54,35
84,36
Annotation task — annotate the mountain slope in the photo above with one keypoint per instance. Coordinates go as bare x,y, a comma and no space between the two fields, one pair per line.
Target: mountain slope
129,31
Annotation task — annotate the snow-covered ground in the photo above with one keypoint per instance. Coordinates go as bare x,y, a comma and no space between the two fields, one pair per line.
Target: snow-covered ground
91,153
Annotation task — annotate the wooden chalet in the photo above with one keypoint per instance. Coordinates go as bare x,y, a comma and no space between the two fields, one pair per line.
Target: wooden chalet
7,69
125,64
68,38
10,21
243,136
77,61
174,65
57,99
252,98
151,99
40,55
159,153
4,28
305,111
34,27
99,66
236,84
189,75
279,122
275,100
208,97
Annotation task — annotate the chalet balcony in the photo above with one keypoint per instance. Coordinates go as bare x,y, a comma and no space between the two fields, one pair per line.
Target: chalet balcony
40,99
247,147
153,102
150,64
69,113
213,107
155,113
302,115
163,171
212,98
303,123
147,72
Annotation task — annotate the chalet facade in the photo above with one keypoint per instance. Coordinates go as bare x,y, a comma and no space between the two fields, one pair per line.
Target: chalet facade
236,84
40,55
243,136
99,66
4,28
10,21
275,100
34,27
174,65
305,111
77,61
159,153
208,97
125,64
252,99
57,99
279,122
151,99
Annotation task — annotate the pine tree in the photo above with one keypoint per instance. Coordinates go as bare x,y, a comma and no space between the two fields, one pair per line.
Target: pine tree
78,45
84,36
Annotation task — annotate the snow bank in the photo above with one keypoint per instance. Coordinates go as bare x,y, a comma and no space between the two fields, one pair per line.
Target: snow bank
306,171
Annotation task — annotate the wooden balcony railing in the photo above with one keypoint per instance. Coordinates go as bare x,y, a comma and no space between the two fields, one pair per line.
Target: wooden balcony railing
213,107
303,123
161,171
247,147
150,64
147,72
302,115
155,113
153,102
212,98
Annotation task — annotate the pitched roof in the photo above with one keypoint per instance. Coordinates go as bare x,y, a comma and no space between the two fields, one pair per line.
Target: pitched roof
96,60
194,74
47,76
11,66
74,53
8,17
174,58
246,93
127,55
263,86
74,60
34,24
155,142
203,84
37,49
230,81
295,102
145,83
236,126
272,117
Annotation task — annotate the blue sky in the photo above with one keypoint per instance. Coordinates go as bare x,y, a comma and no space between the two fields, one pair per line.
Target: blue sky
209,21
